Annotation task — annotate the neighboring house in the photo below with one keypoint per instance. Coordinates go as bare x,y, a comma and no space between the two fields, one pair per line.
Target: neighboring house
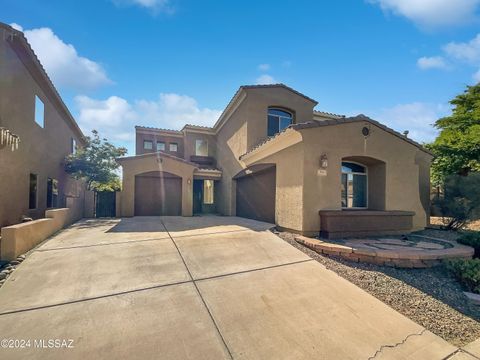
271,156
32,178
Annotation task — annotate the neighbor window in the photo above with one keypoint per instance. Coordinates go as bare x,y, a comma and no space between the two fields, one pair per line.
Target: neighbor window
208,191
278,120
201,147
39,112
32,198
148,144
354,185
173,147
52,193
73,146
160,146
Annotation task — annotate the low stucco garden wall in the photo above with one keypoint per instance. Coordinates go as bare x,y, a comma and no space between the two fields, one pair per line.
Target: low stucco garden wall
18,239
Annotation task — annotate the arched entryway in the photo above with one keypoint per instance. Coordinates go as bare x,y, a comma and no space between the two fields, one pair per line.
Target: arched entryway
158,193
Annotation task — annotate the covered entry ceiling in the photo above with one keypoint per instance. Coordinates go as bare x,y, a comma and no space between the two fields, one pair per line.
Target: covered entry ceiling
256,193
158,193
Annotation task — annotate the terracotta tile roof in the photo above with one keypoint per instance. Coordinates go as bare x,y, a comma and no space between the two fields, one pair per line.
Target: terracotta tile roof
280,85
16,34
344,120
158,129
327,114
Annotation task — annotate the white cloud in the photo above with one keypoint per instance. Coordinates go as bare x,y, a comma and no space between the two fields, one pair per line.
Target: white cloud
456,52
432,13
115,118
63,64
265,79
416,117
264,67
153,5
434,62
466,51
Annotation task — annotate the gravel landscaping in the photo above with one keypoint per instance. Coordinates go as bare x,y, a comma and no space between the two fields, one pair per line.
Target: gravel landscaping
7,267
431,297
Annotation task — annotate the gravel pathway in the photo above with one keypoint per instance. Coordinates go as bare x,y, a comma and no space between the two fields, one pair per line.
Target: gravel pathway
430,297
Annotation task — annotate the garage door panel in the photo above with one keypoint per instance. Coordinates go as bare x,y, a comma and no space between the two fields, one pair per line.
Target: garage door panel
256,196
156,196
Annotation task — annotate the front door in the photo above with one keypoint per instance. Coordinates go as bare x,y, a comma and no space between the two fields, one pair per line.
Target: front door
197,196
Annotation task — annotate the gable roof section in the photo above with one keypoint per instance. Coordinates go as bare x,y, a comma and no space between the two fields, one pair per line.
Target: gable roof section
27,56
240,95
320,123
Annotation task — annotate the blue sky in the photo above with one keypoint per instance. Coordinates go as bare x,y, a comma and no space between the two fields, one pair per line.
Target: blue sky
162,63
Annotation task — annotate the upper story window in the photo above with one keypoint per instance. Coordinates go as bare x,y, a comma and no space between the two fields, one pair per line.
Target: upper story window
160,146
173,147
148,144
39,112
73,145
201,147
354,185
278,120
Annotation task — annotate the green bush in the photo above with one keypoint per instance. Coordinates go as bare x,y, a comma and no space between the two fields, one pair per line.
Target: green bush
471,239
467,272
460,203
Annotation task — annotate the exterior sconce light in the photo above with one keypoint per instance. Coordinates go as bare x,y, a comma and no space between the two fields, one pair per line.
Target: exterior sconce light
8,139
323,161
189,181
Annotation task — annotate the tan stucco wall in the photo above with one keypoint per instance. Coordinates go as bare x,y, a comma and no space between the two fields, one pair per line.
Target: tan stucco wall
156,162
20,238
190,140
406,170
41,150
247,127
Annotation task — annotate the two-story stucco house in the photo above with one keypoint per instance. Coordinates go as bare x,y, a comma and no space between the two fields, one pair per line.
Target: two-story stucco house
32,178
271,156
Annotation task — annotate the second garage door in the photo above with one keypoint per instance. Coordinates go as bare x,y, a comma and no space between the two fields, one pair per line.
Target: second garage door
256,195
158,194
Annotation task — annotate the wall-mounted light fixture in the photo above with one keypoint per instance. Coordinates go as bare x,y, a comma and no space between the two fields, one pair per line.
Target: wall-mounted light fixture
323,161
189,181
8,139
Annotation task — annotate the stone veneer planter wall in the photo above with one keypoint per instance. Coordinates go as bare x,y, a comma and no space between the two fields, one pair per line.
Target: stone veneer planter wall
391,252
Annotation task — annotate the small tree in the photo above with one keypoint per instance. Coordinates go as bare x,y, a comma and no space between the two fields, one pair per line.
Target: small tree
457,147
460,202
95,163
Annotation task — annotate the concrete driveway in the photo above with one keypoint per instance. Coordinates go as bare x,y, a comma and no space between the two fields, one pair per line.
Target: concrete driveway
194,288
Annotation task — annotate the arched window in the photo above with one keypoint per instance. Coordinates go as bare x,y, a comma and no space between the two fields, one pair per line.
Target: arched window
278,120
354,185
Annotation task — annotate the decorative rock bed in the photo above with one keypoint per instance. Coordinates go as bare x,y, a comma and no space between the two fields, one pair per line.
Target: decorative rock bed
411,251
6,268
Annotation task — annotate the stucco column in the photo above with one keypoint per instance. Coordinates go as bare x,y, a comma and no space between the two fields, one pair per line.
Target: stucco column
187,195
127,204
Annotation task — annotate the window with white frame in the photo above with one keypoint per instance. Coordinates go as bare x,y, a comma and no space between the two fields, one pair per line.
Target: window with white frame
173,147
148,144
160,146
278,120
201,147
354,185
39,112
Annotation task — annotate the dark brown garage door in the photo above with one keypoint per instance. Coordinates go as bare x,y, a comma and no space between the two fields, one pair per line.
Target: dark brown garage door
158,194
256,195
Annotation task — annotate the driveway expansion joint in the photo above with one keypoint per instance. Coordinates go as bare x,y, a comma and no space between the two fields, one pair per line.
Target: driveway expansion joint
379,351
200,294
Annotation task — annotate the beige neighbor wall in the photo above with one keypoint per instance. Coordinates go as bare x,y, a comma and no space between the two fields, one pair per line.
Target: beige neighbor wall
154,162
20,238
247,127
406,171
41,150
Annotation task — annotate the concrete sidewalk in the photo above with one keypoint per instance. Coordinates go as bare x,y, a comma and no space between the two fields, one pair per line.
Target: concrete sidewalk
195,288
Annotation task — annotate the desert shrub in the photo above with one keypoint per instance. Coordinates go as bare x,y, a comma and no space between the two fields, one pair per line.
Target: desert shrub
467,272
460,203
471,238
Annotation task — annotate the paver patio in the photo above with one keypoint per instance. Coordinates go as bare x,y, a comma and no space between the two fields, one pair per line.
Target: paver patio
196,288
